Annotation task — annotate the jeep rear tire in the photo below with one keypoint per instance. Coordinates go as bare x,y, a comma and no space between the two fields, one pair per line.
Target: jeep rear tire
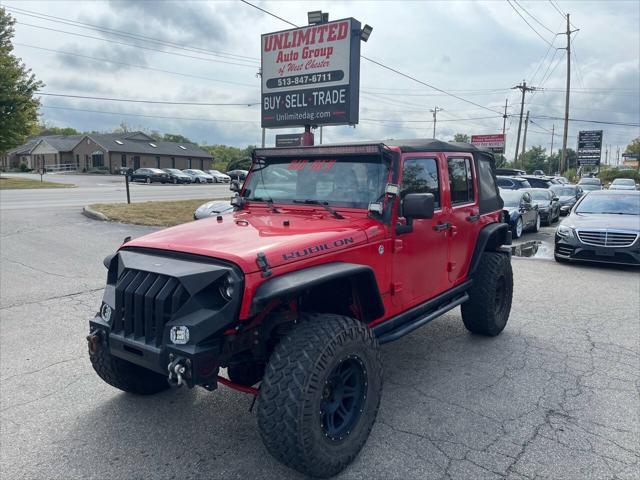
487,310
320,394
124,375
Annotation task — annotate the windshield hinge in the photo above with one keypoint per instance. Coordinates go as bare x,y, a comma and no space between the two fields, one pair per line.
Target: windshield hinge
261,260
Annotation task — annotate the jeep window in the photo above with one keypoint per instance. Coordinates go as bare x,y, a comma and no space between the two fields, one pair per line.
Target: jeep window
460,180
488,195
420,175
353,181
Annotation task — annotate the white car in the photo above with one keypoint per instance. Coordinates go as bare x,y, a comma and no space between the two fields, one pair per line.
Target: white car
198,176
623,184
219,177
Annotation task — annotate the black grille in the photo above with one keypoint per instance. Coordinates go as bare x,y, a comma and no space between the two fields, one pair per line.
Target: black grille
144,303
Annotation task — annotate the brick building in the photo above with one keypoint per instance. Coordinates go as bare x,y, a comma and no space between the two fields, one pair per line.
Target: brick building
112,152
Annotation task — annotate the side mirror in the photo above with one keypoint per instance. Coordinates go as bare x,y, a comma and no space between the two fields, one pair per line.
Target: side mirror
418,205
234,186
555,199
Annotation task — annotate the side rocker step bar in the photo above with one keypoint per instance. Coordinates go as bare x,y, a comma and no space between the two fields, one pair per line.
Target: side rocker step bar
407,322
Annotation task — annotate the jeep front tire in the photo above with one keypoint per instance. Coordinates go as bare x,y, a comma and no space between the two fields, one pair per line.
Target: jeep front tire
124,375
487,310
320,394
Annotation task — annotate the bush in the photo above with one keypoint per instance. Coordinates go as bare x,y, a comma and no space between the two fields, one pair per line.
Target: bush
99,170
609,174
24,167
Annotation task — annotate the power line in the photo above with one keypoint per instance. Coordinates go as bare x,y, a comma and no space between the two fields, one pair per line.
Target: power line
530,26
161,102
115,62
125,114
534,18
562,14
138,46
603,122
135,36
382,65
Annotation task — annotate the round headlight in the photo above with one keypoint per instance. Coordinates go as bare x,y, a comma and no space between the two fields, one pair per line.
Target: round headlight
105,313
227,287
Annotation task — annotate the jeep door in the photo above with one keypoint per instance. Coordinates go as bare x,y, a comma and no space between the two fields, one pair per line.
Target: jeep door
420,255
464,215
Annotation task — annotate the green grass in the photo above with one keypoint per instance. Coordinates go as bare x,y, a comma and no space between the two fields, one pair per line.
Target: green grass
8,183
160,213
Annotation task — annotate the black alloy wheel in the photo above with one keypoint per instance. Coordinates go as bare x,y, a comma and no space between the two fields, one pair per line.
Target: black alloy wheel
343,396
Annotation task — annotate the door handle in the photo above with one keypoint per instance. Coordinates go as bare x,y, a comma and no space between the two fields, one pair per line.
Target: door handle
473,218
442,226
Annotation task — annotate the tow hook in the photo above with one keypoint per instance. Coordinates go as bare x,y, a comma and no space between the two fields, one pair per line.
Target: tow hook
177,369
93,339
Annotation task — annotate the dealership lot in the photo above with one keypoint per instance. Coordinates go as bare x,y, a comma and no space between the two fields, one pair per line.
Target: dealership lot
554,396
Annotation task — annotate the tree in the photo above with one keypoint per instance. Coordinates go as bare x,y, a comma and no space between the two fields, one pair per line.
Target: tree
535,159
47,129
174,137
18,106
634,146
461,137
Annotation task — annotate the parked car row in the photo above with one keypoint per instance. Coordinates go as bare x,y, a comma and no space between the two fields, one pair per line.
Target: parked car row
174,175
528,208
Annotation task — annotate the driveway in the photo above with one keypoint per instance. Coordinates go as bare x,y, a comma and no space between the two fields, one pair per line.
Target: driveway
554,396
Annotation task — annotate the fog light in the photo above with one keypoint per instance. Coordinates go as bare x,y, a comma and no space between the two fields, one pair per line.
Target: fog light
105,313
227,287
179,335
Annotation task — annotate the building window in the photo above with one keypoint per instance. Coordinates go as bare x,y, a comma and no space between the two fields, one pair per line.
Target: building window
78,159
173,162
157,162
190,163
123,160
97,159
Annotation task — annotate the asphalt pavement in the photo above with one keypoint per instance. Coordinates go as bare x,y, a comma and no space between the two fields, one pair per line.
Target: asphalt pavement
101,189
554,396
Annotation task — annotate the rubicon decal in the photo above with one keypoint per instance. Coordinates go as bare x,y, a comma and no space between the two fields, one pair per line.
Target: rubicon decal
321,247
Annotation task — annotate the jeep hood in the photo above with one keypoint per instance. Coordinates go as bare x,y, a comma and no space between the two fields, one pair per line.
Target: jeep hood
282,237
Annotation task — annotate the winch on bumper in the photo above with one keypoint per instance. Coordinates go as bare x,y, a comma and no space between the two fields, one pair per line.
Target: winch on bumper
166,313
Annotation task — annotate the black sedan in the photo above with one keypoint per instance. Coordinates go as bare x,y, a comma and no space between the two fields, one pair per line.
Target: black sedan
149,175
603,227
548,205
512,183
520,211
567,195
178,176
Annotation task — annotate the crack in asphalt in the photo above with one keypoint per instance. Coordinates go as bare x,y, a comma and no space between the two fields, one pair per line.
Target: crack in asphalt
66,295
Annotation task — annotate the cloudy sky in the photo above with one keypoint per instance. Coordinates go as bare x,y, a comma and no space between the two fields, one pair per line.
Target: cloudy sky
210,54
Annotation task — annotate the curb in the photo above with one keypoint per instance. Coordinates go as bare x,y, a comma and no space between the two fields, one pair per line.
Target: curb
93,214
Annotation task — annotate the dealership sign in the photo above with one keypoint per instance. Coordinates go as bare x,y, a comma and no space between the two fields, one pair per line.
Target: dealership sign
311,75
589,147
495,143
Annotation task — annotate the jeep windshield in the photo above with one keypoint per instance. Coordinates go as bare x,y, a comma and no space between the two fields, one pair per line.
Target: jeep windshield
352,182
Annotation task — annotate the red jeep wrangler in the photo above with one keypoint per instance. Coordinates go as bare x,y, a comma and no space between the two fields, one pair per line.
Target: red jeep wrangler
330,251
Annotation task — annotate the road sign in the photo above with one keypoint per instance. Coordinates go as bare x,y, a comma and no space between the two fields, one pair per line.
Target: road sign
589,147
495,143
289,140
311,75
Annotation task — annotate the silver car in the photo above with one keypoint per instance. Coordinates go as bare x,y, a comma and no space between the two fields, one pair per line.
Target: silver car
219,177
198,176
623,184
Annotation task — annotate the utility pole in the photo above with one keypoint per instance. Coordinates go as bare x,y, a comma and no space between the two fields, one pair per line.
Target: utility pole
553,129
563,155
435,111
504,124
263,134
524,89
524,140
320,134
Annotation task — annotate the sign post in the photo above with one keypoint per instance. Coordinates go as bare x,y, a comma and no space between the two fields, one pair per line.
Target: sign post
311,76
495,143
589,147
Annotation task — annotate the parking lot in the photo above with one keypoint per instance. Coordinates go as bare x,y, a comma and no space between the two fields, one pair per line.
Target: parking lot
555,396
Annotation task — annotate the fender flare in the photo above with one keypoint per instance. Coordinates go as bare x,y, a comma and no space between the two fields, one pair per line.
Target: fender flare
292,283
491,237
